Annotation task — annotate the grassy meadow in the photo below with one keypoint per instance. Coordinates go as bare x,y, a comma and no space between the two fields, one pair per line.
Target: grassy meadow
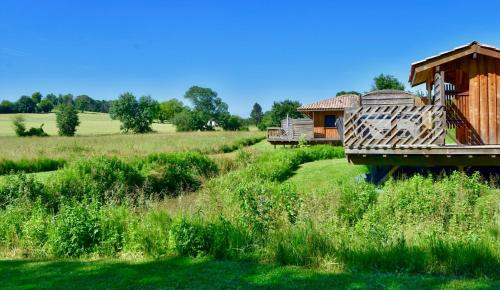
215,210
90,124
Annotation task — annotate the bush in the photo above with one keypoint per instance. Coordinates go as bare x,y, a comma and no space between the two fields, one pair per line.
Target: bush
22,186
67,120
149,233
190,238
103,178
20,128
76,230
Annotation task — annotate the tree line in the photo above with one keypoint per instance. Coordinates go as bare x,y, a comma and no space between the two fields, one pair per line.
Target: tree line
37,103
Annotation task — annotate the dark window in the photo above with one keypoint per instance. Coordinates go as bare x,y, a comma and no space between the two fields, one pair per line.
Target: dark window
330,121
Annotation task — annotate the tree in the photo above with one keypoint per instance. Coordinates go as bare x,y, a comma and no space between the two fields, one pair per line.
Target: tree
169,109
348,93
36,97
207,105
65,99
20,128
45,106
67,120
84,103
51,98
135,115
256,114
7,107
234,123
278,112
25,104
387,82
188,120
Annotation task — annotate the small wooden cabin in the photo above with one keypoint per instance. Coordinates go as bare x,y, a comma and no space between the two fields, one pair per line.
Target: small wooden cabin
463,89
323,125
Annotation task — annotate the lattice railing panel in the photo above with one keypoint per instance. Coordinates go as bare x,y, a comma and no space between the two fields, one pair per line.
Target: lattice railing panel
390,126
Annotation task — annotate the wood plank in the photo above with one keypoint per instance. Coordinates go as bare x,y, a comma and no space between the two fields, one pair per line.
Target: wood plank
474,94
483,100
492,101
498,99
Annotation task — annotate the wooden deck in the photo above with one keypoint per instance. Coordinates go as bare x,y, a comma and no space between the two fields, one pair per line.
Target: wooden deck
428,156
292,130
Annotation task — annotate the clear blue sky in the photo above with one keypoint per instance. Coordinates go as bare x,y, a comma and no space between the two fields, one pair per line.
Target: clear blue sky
247,51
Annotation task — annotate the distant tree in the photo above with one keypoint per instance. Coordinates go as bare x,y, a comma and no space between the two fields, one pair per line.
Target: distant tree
36,97
348,93
188,120
207,106
45,106
7,107
67,119
234,123
256,114
278,112
135,115
65,99
387,82
84,103
169,109
52,98
25,104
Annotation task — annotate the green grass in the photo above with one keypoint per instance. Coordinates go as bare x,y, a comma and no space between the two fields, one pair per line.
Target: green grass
204,273
123,145
90,124
321,176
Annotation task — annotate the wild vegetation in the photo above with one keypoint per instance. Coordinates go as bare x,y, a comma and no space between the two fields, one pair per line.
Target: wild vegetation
253,210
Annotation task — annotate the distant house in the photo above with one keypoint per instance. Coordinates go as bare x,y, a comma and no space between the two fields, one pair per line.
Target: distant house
323,125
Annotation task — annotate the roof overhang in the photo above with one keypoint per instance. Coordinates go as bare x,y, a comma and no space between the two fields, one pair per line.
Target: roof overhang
420,69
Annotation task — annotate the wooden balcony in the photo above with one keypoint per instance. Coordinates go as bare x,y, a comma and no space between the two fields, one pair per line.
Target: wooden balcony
292,130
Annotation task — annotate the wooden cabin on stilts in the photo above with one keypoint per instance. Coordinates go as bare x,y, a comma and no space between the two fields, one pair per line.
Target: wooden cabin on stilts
463,90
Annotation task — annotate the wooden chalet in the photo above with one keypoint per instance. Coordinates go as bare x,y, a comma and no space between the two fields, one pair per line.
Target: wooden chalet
323,125
463,107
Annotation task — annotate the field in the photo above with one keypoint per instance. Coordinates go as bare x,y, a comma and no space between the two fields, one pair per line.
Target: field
90,124
257,217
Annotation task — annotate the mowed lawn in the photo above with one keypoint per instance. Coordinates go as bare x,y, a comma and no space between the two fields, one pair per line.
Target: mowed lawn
99,135
320,176
205,273
90,124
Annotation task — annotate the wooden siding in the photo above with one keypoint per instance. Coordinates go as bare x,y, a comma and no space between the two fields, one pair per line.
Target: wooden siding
320,131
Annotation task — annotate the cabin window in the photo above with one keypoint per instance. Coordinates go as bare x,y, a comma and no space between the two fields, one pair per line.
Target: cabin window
330,121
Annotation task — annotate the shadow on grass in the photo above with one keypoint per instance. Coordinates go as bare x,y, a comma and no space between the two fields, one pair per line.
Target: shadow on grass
205,273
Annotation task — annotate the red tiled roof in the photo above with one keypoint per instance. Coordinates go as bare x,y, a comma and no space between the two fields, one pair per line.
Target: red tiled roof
335,103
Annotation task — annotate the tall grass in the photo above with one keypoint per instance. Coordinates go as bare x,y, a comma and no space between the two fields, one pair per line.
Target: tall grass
448,225
29,166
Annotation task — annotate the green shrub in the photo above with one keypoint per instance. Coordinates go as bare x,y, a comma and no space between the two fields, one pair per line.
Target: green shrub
102,178
355,200
23,186
76,230
67,120
190,238
18,122
35,231
148,233
113,227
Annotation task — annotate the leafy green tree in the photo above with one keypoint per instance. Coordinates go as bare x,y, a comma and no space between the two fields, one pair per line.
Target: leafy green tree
25,104
169,109
84,103
256,114
45,106
52,98
234,123
278,112
188,120
207,105
387,82
67,120
36,97
348,93
65,99
7,107
135,115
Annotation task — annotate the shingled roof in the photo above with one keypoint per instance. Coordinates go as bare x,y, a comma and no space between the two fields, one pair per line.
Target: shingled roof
336,103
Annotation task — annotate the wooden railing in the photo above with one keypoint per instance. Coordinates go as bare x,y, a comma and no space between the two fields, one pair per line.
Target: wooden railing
390,126
327,133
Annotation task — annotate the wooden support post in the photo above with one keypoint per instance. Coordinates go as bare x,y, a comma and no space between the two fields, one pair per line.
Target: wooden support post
389,174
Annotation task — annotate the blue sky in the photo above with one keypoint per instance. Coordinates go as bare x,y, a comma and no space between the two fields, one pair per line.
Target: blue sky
248,51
